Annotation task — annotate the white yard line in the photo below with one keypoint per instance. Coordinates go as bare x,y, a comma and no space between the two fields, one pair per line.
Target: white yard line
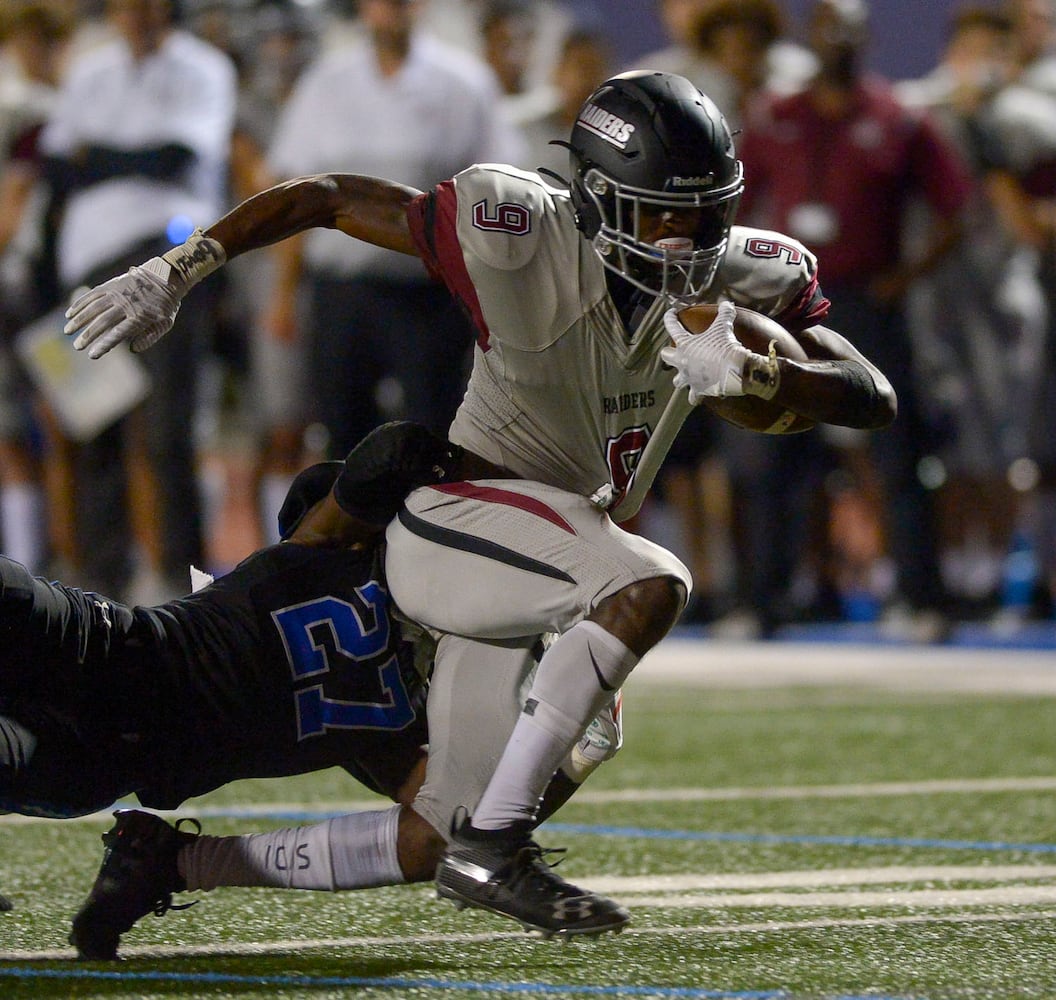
879,789
374,943
718,664
1016,895
971,786
799,878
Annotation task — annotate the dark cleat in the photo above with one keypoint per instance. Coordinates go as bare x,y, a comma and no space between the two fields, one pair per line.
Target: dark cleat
504,871
138,876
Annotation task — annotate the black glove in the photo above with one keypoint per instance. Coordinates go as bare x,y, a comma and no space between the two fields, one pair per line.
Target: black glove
307,489
389,463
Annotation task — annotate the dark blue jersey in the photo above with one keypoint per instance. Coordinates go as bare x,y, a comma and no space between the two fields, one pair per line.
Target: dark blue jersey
289,663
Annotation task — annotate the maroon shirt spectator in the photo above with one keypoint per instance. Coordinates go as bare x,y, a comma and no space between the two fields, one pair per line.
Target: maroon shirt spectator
837,166
842,184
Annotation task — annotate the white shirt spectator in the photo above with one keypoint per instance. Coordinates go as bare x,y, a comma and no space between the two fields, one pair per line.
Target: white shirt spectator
435,116
183,93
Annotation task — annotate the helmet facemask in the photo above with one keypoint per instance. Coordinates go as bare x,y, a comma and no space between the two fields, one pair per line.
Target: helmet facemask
680,266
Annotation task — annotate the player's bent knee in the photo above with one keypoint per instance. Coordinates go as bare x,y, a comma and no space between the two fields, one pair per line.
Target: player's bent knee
642,613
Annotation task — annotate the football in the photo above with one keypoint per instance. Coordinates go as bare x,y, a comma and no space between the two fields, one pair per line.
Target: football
755,331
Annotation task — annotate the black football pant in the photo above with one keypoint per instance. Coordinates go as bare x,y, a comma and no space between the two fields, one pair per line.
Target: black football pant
68,742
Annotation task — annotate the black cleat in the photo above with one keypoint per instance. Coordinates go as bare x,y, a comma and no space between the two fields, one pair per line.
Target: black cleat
504,871
5,904
138,876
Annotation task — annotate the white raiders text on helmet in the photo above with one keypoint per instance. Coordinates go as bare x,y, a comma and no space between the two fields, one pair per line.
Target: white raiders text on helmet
655,181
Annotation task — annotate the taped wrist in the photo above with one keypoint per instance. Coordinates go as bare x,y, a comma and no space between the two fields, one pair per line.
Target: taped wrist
762,376
182,267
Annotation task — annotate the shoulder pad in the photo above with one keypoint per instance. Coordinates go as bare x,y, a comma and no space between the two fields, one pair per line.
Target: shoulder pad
765,271
501,211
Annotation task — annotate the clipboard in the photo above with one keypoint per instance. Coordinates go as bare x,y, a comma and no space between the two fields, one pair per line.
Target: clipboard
86,396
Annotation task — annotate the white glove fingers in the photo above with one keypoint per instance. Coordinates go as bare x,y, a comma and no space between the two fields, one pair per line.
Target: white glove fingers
104,321
117,331
104,345
84,310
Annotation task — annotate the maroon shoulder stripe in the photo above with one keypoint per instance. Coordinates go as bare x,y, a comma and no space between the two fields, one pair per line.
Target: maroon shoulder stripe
433,220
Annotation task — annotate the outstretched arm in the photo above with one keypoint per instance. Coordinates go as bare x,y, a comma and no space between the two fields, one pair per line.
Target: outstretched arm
366,208
140,306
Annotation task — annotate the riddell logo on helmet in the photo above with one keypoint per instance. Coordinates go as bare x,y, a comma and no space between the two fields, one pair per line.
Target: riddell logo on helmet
606,125
705,181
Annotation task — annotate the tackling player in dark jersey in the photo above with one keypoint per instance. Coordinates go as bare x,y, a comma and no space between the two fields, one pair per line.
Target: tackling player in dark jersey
289,663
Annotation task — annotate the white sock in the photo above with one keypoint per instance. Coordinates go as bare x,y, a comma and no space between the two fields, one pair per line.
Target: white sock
22,517
580,673
357,851
273,490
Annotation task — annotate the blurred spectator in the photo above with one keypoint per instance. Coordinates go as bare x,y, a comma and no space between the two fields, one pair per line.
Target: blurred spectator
733,39
257,417
284,42
507,31
33,36
1034,33
977,320
459,22
585,61
690,27
1022,184
382,339
139,143
837,167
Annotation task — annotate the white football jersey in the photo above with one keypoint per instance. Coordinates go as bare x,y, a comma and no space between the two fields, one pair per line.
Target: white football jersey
560,392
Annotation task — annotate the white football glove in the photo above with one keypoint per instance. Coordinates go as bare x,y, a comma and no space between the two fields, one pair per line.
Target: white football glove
140,306
711,363
715,363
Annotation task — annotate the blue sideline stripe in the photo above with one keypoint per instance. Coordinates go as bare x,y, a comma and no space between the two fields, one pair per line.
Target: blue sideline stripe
402,984
773,838
309,816
549,989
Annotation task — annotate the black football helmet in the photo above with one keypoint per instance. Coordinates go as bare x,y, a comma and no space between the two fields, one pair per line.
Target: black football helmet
649,146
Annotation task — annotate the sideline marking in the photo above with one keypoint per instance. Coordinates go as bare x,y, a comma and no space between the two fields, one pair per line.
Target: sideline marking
879,789
713,663
944,786
812,878
241,949
1019,895
314,982
810,840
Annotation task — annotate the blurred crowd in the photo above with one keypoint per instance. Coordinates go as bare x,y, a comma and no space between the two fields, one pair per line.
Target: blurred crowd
931,204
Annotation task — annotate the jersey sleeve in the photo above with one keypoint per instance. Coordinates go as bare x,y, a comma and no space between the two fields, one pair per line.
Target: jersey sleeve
774,274
499,239
489,212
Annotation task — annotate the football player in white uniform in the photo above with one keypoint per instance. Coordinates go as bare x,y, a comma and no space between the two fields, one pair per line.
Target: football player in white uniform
583,297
